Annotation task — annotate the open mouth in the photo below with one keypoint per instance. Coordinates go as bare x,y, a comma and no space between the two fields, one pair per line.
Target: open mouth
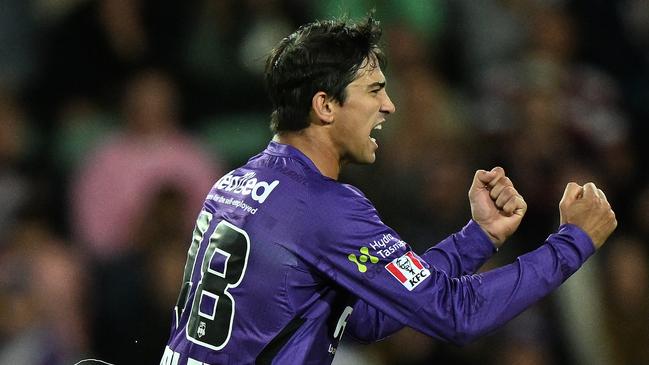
378,127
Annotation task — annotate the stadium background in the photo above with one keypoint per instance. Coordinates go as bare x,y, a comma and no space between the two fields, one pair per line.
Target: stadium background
117,115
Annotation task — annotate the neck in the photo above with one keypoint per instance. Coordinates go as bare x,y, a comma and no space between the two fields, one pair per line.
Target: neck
321,152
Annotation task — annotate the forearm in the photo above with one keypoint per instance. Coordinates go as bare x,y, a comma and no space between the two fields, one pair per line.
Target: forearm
461,253
477,304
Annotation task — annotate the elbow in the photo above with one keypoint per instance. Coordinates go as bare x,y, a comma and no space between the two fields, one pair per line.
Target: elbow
468,323
454,335
361,335
463,339
466,333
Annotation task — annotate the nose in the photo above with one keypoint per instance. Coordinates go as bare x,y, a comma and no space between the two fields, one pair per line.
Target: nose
387,106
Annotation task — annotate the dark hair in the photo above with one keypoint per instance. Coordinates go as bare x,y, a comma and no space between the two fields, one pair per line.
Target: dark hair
319,56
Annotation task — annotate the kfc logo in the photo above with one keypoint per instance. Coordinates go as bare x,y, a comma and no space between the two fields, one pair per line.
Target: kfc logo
409,270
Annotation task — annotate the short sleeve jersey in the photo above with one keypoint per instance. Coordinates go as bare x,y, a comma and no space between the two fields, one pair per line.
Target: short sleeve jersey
282,258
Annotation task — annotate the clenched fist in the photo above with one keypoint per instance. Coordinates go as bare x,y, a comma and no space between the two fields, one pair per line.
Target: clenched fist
495,204
586,207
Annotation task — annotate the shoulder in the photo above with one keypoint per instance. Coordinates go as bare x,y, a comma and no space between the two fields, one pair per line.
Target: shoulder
340,194
341,207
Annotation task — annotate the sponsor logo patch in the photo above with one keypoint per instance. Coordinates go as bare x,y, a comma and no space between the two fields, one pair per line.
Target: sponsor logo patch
387,245
245,185
362,259
409,270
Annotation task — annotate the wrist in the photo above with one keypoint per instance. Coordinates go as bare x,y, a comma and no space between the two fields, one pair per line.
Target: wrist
497,242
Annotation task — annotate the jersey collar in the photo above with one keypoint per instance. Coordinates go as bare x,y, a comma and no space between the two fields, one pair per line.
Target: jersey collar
281,149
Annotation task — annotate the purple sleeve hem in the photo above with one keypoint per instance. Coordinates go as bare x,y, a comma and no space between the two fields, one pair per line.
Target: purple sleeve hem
480,241
582,241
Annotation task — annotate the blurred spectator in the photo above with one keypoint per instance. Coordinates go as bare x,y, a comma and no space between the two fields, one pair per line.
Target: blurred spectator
225,60
427,18
43,283
269,24
218,80
18,32
626,286
135,292
613,37
526,340
81,128
51,11
14,146
552,111
99,44
491,33
430,119
116,182
640,214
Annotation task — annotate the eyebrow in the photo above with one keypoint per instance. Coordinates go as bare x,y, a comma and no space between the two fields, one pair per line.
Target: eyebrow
379,84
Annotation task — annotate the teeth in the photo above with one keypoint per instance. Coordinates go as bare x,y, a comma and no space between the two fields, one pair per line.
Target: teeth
378,127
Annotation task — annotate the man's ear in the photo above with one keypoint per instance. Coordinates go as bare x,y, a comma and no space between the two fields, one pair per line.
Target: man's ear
323,108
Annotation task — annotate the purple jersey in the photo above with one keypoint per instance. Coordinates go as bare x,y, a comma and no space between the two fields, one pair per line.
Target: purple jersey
284,260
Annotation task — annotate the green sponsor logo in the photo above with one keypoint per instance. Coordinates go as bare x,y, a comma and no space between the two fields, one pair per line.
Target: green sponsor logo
362,259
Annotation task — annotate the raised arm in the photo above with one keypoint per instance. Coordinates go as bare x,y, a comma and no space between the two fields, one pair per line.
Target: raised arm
413,292
496,204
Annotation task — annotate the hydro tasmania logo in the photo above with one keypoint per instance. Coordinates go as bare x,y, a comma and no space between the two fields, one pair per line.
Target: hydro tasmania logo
409,270
246,184
362,259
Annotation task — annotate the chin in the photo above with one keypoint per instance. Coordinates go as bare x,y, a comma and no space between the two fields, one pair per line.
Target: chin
361,158
367,160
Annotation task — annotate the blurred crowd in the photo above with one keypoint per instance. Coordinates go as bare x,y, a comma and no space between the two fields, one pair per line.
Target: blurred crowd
117,116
